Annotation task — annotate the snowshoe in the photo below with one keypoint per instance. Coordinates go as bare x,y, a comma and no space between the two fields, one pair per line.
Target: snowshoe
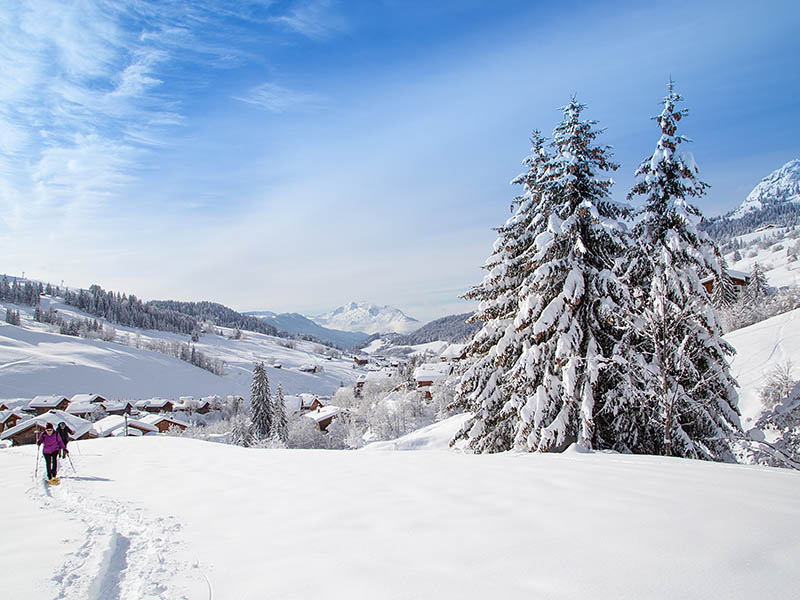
54,481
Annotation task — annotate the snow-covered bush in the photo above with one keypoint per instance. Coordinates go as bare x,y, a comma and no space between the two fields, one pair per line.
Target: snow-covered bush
778,385
304,433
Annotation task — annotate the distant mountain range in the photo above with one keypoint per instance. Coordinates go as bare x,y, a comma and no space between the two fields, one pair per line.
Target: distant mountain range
367,318
296,323
782,186
774,201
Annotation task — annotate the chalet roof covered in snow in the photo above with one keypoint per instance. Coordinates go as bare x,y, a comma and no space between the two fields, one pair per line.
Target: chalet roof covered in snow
156,419
82,408
115,425
111,405
87,398
453,351
323,413
5,415
432,371
47,401
153,403
377,375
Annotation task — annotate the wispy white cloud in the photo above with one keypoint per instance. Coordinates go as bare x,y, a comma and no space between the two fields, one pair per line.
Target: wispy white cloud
278,99
314,19
86,91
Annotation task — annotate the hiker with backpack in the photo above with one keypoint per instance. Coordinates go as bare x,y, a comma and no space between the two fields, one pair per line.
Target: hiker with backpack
51,443
63,431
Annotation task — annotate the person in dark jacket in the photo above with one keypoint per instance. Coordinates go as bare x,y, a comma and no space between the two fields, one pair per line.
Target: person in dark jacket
51,442
63,431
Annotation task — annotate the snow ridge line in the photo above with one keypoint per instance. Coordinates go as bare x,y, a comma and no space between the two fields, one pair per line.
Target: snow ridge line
126,555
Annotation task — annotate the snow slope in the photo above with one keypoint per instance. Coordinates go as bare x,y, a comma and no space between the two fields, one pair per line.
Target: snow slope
367,318
197,520
433,437
34,360
759,348
774,259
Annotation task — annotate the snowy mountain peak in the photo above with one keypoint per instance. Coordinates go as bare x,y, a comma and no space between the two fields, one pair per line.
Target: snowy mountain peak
368,318
780,186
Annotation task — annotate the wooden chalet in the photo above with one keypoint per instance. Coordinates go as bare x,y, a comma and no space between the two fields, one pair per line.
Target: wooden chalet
323,416
454,352
43,404
164,422
3,406
156,405
360,362
738,278
121,425
117,407
10,418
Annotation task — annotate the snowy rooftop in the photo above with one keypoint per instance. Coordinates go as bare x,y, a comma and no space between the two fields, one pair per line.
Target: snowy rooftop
5,415
78,408
322,413
87,398
47,401
432,371
116,423
378,375
156,419
453,351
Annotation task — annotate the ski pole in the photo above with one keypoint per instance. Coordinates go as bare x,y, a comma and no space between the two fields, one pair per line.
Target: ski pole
71,464
36,473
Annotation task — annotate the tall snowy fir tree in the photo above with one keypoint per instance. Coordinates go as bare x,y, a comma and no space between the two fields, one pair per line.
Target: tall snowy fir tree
495,349
686,392
571,300
564,334
260,404
723,292
280,424
757,287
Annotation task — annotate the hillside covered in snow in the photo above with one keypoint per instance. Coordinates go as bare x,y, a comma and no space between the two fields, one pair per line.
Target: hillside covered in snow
36,359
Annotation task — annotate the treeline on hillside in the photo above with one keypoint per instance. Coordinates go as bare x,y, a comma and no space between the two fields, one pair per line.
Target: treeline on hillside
26,293
724,227
130,311
189,318
221,315
453,328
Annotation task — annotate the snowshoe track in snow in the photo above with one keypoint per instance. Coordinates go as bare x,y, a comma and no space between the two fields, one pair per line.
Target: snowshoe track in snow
127,554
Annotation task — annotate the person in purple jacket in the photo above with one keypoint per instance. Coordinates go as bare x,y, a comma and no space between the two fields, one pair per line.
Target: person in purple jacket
51,443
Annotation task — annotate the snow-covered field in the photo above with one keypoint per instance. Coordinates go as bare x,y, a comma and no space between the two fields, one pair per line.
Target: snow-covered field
34,360
160,517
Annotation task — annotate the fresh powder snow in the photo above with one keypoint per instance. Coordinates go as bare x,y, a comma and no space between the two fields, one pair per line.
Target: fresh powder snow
162,517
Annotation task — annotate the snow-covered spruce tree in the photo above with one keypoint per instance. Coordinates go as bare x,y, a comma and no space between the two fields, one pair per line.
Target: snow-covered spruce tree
757,287
687,391
494,348
723,294
280,424
568,318
260,404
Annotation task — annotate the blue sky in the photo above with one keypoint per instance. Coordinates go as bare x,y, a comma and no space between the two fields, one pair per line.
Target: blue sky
293,156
